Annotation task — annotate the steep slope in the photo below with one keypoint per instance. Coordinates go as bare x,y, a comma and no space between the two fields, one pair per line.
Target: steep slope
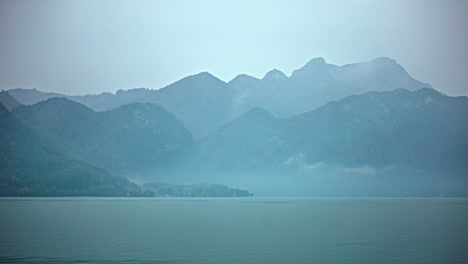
398,143
250,141
420,129
127,139
8,101
318,82
202,102
31,165
399,128
144,136
31,96
244,82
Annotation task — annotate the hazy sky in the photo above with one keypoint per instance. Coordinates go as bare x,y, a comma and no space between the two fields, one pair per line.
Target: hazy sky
79,47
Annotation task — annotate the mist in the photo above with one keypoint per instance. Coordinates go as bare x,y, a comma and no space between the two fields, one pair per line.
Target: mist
233,131
88,47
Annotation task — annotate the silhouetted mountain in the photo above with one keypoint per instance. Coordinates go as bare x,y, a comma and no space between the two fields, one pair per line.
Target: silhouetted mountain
97,102
127,139
418,129
244,82
204,103
319,82
32,165
8,101
108,101
31,96
274,76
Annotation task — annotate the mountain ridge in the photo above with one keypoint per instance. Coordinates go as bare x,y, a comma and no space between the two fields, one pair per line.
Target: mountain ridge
386,113
127,139
8,101
310,86
32,165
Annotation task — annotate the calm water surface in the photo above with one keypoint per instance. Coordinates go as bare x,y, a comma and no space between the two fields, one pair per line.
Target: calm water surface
250,230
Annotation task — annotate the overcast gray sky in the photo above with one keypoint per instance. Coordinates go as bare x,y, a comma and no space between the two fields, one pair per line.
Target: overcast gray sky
79,47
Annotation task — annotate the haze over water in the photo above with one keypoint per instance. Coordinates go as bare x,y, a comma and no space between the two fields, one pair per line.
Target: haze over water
250,230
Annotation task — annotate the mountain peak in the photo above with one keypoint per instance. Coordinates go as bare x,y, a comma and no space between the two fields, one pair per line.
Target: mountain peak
384,60
204,74
315,65
61,104
243,77
316,61
258,112
243,82
200,79
275,75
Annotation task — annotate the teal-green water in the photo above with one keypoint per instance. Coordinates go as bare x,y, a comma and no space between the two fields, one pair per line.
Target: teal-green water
250,230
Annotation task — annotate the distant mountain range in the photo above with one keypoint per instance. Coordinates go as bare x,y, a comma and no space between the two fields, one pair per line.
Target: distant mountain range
318,83
359,129
203,102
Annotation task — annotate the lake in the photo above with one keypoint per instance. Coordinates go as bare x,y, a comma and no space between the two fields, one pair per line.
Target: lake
243,230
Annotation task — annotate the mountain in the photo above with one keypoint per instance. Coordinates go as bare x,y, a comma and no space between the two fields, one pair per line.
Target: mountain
275,76
108,101
243,82
204,103
194,190
249,142
391,143
32,165
397,128
97,102
128,139
31,96
8,101
400,128
318,82
402,134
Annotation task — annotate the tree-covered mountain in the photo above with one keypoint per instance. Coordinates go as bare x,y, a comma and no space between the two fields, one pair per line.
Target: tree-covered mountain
421,129
194,190
367,118
127,139
8,101
204,103
32,165
397,143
